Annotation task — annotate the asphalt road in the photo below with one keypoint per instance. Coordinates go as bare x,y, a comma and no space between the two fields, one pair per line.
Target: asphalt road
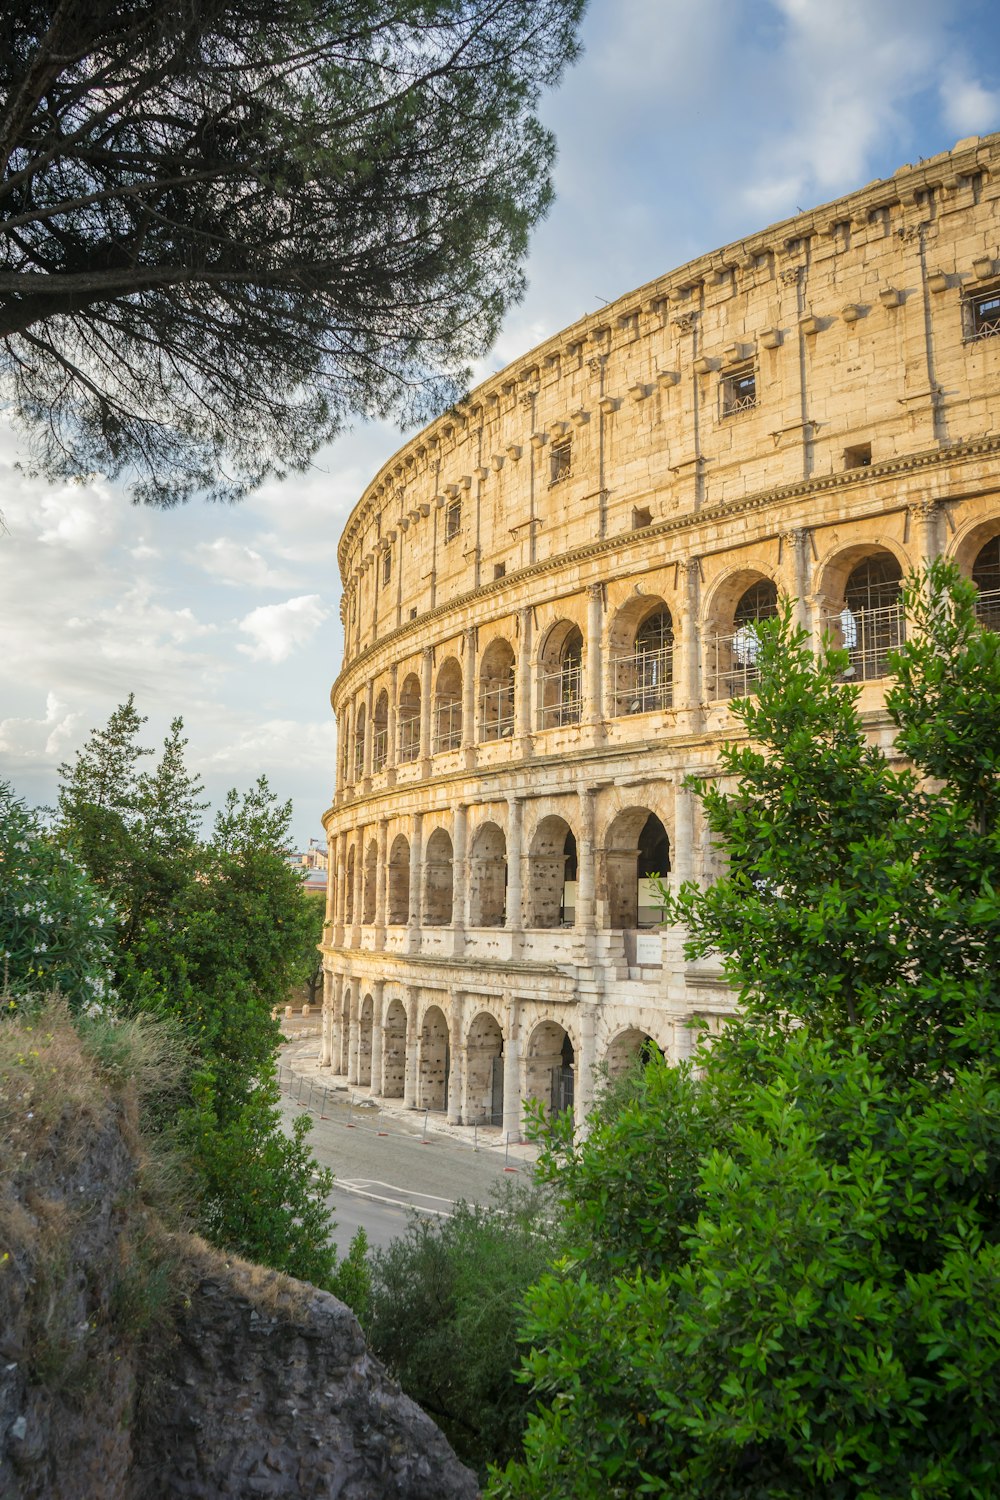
384,1168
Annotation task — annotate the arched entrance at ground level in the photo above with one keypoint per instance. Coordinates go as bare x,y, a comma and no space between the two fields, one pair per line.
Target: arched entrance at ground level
438,880
549,1068
394,1050
628,1047
399,882
552,875
636,850
433,1061
488,878
484,1072
365,1020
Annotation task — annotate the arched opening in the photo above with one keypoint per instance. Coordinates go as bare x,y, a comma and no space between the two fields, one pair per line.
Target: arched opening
549,1068
368,884
438,879
394,1050
359,744
448,706
497,673
433,1061
408,720
488,878
637,849
345,1030
628,1048
349,894
560,678
484,1072
399,882
380,732
871,622
365,1020
986,577
552,874
735,649
643,672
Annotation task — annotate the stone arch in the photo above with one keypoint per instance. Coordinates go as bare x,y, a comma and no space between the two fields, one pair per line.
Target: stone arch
394,1050
560,675
550,1067
636,847
977,553
366,1019
369,879
399,881
359,743
740,601
488,877
380,731
626,1047
484,1071
448,706
408,720
438,879
862,585
497,675
433,1060
349,893
641,642
552,874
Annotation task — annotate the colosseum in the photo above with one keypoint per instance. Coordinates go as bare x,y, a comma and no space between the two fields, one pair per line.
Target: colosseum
550,598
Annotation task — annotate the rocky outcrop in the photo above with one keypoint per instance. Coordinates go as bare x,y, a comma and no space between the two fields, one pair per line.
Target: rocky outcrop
270,1390
135,1364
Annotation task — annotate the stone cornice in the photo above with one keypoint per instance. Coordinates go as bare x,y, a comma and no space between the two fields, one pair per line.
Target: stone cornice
970,157
928,459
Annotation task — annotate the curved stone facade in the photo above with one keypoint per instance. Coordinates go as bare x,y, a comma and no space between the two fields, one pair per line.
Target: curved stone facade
549,601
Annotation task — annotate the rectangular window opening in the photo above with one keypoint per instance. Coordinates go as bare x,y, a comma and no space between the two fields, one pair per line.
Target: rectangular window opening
641,516
560,460
982,314
453,520
386,567
739,392
499,571
858,457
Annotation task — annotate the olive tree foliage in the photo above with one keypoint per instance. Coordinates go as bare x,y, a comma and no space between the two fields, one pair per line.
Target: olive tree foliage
227,225
780,1273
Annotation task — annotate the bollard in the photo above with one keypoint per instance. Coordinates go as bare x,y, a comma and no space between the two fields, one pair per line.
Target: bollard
475,1137
350,1112
310,1099
423,1134
506,1154
378,1124
322,1109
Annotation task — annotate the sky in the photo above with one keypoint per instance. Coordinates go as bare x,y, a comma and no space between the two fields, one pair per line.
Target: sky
685,125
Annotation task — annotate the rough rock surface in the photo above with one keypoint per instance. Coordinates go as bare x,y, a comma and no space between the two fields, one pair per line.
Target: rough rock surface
270,1390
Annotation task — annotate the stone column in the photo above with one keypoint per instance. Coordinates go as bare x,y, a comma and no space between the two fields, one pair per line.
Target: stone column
325,1040
381,881
359,878
514,895
354,1034
390,725
593,707
369,734
336,1025
794,553
583,1093
925,516
469,698
821,612
426,709
682,866
410,1079
377,1059
416,882
586,882
459,872
524,682
512,1074
456,1071
341,915
687,684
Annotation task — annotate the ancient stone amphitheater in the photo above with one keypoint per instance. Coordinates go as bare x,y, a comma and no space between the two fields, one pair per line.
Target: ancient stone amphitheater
550,599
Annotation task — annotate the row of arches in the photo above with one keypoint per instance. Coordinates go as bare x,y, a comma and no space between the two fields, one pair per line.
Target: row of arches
866,618
467,1071
633,858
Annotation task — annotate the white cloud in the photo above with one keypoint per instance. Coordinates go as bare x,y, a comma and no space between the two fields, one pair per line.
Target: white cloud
30,741
968,107
277,743
280,629
238,565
